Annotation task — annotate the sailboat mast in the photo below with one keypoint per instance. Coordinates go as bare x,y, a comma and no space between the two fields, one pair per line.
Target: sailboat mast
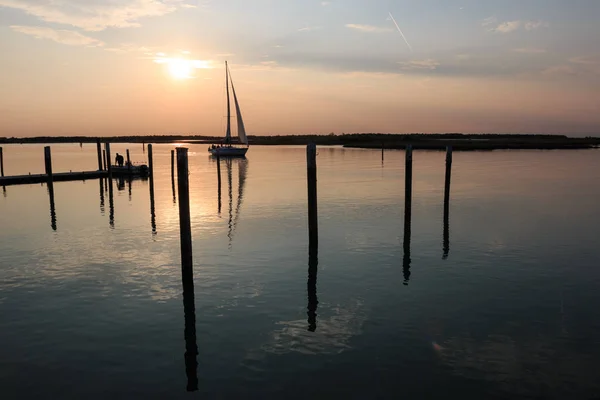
228,132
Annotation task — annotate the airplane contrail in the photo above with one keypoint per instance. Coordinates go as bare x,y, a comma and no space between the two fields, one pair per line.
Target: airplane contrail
400,30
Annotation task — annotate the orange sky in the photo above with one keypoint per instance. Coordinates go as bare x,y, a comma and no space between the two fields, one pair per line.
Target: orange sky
339,68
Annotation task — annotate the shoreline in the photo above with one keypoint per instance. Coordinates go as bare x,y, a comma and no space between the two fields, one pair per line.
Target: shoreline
459,142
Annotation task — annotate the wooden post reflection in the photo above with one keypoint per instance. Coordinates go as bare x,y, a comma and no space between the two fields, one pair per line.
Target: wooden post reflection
187,271
446,240
52,206
129,181
173,175
407,215
111,203
101,195
219,181
313,302
151,177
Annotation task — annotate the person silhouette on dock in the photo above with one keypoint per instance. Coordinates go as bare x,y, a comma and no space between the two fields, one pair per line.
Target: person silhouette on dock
119,160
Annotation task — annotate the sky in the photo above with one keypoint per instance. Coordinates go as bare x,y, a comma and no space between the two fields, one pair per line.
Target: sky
127,67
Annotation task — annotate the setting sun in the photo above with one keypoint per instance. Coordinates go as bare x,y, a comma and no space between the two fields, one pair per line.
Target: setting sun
179,68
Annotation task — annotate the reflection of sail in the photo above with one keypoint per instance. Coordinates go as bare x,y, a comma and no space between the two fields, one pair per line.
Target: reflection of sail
229,178
242,171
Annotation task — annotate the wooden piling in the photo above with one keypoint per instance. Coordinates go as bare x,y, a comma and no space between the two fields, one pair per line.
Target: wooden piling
173,165
104,159
1,163
108,161
185,228
187,271
311,169
446,236
48,163
99,152
150,161
128,161
448,175
408,175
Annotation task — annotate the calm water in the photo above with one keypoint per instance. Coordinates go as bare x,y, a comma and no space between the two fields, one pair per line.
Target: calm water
94,308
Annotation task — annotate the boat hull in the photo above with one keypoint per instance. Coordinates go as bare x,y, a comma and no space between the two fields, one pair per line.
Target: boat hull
228,151
135,170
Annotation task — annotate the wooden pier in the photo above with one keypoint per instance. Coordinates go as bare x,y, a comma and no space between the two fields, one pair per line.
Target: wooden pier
109,170
56,177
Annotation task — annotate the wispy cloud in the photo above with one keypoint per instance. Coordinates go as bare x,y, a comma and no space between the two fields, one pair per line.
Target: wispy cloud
489,21
70,38
325,3
428,64
309,28
96,15
368,28
532,25
512,26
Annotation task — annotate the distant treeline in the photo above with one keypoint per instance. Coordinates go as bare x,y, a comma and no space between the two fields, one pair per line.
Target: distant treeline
459,141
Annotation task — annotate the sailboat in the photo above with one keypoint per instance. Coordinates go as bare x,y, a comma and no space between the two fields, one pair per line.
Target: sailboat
227,149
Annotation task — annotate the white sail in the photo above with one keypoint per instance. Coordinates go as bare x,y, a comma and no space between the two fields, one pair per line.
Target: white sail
240,121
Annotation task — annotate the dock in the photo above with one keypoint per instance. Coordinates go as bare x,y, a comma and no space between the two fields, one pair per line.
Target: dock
57,177
105,170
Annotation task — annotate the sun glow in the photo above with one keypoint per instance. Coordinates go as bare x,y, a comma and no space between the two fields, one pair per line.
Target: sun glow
181,68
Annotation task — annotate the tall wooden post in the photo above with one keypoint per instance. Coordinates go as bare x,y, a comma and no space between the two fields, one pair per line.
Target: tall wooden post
408,175
446,240
150,161
173,165
1,163
48,163
104,159
128,161
108,161
311,169
187,269
99,151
